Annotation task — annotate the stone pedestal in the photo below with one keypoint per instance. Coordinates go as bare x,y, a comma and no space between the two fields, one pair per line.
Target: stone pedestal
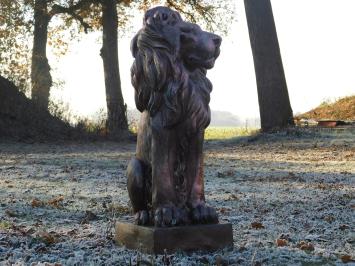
185,238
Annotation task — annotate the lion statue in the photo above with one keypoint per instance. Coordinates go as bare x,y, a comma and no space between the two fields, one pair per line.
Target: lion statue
165,179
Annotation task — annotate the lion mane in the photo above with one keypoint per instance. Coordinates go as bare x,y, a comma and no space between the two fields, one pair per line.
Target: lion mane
162,82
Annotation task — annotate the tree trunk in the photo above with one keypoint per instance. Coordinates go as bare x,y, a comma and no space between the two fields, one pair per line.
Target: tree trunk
40,72
116,108
274,102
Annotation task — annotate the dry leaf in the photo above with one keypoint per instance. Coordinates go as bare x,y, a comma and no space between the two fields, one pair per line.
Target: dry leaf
224,210
257,225
119,209
55,202
36,203
329,218
281,242
46,237
305,246
346,258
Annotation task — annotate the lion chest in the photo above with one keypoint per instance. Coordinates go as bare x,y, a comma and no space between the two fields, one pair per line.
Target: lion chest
196,113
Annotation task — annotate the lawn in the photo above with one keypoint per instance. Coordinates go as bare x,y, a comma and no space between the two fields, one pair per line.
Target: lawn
289,196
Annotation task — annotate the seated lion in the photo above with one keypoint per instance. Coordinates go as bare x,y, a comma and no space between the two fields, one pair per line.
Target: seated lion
165,179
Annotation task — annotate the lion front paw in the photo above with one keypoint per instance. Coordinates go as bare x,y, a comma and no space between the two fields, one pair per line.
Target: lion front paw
170,216
142,217
203,214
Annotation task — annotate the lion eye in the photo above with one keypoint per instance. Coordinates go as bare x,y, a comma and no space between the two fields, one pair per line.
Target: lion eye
187,39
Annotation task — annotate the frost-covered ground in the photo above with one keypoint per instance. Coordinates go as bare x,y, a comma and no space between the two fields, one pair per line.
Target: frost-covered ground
58,201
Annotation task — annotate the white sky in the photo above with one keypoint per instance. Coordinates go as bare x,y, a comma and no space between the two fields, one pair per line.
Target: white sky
317,40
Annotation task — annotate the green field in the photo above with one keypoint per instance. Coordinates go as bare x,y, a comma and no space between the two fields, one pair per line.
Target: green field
217,133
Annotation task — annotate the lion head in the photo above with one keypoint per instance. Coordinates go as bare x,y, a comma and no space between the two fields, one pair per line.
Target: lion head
169,52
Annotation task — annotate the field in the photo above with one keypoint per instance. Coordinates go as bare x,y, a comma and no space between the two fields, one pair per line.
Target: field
290,197
222,133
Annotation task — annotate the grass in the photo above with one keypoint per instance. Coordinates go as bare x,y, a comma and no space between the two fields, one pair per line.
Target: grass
4,225
219,133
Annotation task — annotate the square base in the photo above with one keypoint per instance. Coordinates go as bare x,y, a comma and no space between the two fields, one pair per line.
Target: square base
155,240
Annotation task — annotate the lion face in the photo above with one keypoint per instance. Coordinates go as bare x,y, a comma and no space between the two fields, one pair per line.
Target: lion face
195,47
198,48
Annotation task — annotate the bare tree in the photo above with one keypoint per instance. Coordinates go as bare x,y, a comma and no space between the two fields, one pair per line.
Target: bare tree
116,108
44,11
274,103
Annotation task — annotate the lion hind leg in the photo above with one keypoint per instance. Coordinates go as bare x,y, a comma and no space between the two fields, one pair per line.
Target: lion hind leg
138,191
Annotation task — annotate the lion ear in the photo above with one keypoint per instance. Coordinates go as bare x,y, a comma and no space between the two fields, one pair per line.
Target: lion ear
149,21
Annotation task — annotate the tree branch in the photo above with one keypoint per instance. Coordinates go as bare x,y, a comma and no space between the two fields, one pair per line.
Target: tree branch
178,8
58,9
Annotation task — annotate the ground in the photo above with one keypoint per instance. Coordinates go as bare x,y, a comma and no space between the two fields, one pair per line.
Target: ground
290,197
341,109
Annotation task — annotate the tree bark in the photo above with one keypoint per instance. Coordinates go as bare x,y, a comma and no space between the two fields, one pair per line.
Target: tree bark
41,79
274,102
116,108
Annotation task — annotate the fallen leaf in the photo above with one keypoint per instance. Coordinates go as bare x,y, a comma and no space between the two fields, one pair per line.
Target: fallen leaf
346,258
305,246
224,210
281,242
46,237
37,203
257,225
55,202
119,209
329,218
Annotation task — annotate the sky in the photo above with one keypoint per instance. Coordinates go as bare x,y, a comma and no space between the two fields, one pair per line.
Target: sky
317,42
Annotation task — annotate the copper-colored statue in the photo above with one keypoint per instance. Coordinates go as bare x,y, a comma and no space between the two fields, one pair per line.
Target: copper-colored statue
165,179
